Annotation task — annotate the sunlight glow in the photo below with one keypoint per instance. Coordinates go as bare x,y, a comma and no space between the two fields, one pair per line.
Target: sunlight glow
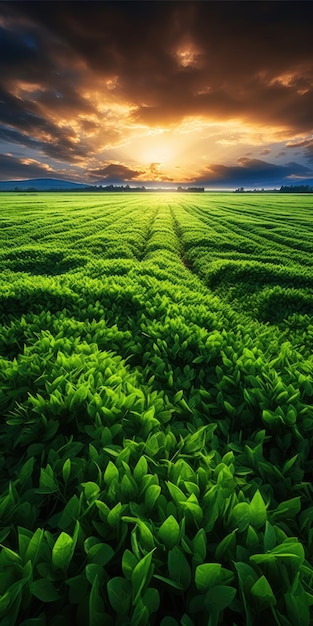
187,55
112,83
158,152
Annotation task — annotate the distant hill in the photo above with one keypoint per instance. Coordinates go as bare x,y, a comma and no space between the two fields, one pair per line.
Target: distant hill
40,184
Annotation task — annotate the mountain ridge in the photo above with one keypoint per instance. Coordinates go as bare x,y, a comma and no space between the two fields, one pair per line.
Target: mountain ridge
40,184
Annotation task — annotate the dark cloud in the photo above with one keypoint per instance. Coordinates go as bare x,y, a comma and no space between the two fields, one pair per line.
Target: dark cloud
253,173
115,172
14,169
60,145
157,174
23,123
242,64
249,61
22,50
306,145
15,136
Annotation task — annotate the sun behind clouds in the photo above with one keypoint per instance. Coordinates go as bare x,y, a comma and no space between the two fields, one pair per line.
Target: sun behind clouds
160,91
160,148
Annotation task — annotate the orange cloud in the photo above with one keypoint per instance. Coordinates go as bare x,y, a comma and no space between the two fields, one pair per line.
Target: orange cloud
152,89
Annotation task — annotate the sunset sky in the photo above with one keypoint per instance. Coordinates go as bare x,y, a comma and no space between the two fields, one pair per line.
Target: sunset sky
212,93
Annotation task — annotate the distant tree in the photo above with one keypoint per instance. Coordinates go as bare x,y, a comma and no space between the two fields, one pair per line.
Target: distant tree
296,189
192,189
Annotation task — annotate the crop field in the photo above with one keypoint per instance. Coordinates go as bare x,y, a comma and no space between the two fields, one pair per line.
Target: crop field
156,396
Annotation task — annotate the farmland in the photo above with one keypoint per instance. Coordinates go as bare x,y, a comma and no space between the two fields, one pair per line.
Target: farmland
156,395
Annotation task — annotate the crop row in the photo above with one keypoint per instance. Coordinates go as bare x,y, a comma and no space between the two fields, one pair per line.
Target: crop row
154,443
240,259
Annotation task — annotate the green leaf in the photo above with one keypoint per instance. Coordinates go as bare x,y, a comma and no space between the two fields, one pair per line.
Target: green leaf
257,510
252,538
110,473
271,418
47,483
289,464
179,568
240,516
79,396
288,509
149,414
70,513
96,604
219,597
186,620
44,590
92,571
100,553
78,588
62,551
269,537
207,575
103,510
33,548
27,470
168,581
263,591
129,562
247,577
91,490
227,546
297,609
119,593
291,416
24,537
141,575
151,599
66,470
128,487
140,616
176,493
151,495
8,557
146,536
10,603
141,468
114,515
199,544
290,549
169,532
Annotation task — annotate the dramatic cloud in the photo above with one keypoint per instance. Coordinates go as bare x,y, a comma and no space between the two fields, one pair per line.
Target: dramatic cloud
12,168
252,173
115,172
307,144
176,84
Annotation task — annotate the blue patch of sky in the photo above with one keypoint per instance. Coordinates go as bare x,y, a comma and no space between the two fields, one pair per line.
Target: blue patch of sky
29,41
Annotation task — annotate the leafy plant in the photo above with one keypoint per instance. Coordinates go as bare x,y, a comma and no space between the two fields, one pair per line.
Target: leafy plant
155,434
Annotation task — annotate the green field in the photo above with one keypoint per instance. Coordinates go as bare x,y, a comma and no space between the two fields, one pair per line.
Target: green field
156,392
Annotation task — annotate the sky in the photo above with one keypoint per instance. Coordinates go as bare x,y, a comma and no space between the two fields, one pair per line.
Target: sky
216,93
